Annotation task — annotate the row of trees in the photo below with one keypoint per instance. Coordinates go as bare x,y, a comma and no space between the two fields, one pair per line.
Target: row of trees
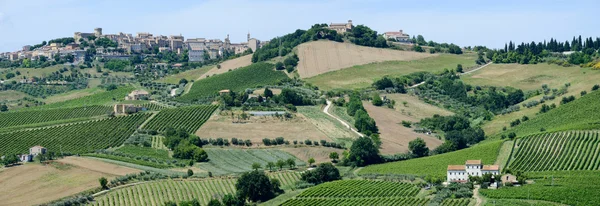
362,121
458,132
184,145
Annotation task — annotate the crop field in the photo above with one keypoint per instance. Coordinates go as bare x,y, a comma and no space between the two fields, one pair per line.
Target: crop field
361,76
359,192
318,57
557,151
260,74
456,202
228,161
101,98
514,202
581,114
189,75
157,142
74,138
326,124
436,165
564,187
9,119
231,64
188,118
73,95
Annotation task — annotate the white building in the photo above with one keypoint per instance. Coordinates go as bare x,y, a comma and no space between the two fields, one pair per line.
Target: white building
461,173
397,35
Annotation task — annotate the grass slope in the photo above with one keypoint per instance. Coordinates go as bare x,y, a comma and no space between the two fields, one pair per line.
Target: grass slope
361,76
581,114
189,75
259,74
101,98
436,165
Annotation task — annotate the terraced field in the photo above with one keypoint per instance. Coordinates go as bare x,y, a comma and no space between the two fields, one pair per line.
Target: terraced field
188,118
574,150
228,161
74,138
10,119
359,192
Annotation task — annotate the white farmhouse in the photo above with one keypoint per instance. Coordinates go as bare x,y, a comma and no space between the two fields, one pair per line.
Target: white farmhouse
461,173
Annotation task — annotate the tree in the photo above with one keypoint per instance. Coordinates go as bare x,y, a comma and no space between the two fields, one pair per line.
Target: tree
256,166
214,202
256,186
270,165
190,172
377,100
363,152
418,147
10,75
325,172
459,68
183,81
311,161
334,156
231,200
3,108
111,87
103,183
291,162
279,66
268,93
280,164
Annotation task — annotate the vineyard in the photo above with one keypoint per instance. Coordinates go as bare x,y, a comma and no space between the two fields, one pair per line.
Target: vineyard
437,165
74,138
456,202
159,192
101,98
227,161
359,192
565,187
10,119
188,118
260,74
157,142
574,150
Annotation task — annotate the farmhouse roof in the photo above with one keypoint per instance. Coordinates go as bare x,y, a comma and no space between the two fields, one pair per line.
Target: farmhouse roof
37,147
456,167
473,162
138,92
491,167
224,91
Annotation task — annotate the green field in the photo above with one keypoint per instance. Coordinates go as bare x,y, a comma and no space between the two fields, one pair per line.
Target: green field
101,98
359,192
188,118
364,75
10,119
189,75
581,114
146,156
229,161
512,202
259,74
144,151
328,125
436,165
74,138
557,151
159,192
565,187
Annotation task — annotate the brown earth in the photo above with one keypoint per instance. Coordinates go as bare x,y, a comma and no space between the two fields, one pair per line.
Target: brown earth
320,57
33,184
394,136
258,128
229,64
415,107
319,153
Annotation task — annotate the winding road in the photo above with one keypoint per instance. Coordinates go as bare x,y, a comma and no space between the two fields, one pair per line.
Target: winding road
474,70
326,110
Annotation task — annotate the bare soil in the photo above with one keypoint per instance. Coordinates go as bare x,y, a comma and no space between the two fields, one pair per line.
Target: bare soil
319,57
229,64
394,136
98,166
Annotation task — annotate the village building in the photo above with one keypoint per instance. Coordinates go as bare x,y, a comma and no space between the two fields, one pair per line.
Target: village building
126,109
137,95
461,173
225,91
398,36
341,27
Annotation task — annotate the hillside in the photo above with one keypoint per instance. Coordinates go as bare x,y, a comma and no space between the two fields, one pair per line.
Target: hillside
318,57
209,70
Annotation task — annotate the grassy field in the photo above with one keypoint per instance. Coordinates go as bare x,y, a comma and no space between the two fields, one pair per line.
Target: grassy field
361,76
144,151
187,118
11,95
100,98
436,165
189,75
412,106
11,119
227,66
326,124
229,161
581,114
260,74
32,72
557,151
74,138
73,95
319,154
565,187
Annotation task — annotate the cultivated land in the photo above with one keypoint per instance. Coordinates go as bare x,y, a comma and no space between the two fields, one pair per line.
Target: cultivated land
361,76
318,57
11,95
33,184
187,118
230,161
328,125
100,98
320,154
436,165
394,136
73,95
414,107
10,119
257,128
189,75
231,64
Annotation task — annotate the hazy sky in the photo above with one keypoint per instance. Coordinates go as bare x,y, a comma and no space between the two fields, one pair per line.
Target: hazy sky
469,22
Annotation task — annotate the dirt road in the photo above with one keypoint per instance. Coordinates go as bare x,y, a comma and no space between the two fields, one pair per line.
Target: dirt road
326,110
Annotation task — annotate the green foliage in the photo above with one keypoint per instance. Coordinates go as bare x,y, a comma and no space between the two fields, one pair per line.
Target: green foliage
117,65
188,118
103,182
459,68
436,165
325,172
418,48
74,138
377,100
228,161
256,186
365,36
10,119
279,66
363,152
252,76
409,201
3,108
105,42
418,147
95,99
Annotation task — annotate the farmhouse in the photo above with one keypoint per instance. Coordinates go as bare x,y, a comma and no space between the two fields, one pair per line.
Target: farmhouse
34,151
461,173
126,108
397,36
341,27
137,95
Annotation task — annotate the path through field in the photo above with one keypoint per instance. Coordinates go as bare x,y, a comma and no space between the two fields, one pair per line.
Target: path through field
476,195
326,110
474,70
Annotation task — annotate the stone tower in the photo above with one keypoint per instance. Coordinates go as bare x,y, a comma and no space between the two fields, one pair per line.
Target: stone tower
98,32
248,38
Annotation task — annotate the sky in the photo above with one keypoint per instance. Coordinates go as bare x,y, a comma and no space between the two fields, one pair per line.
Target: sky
463,22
